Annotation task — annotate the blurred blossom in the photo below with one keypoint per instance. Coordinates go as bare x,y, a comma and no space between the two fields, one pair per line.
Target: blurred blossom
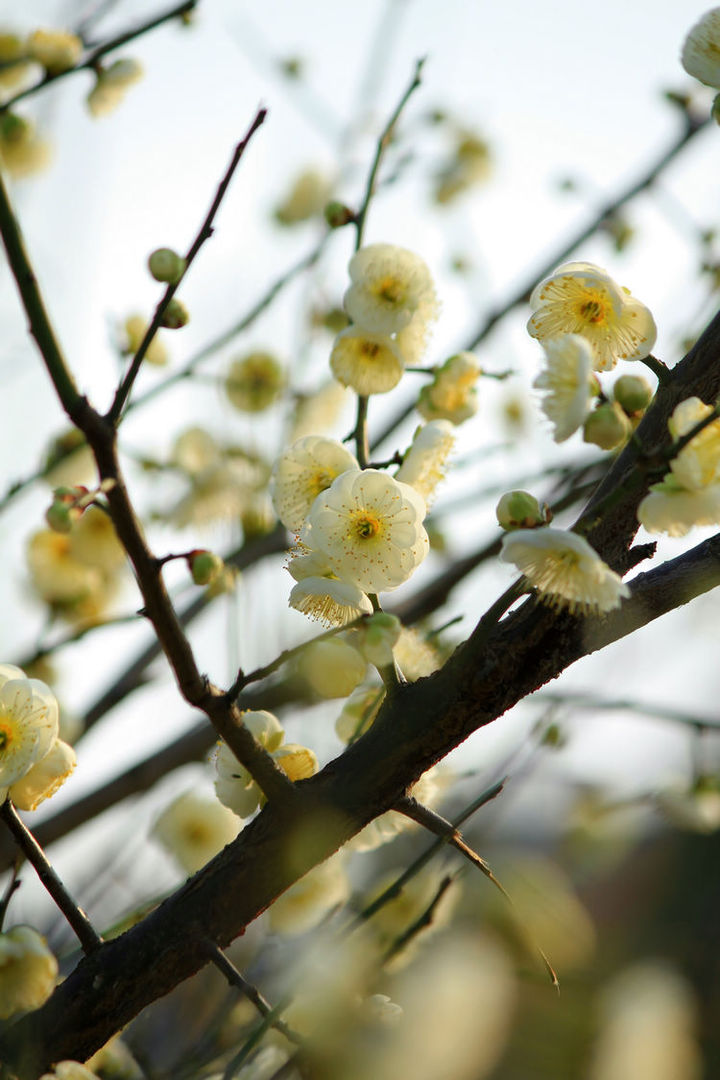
312,898
254,382
546,912
697,809
28,971
452,394
115,1062
309,193
457,1004
22,151
648,1017
333,668
133,331
428,790
194,828
319,412
469,164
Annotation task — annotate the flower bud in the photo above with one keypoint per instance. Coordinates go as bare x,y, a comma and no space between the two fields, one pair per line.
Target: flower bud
166,265
204,566
332,668
378,637
15,130
607,427
715,109
60,517
633,393
521,510
337,215
175,315
55,50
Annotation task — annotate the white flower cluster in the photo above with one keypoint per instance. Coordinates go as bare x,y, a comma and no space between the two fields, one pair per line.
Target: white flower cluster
585,323
391,303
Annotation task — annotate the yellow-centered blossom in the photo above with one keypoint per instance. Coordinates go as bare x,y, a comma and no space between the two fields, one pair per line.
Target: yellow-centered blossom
581,298
369,527
368,363
301,472
389,284
565,569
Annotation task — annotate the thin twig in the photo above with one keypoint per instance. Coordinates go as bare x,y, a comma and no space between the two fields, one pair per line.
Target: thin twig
396,887
435,823
40,326
92,60
287,654
237,979
205,232
382,145
11,888
261,305
86,934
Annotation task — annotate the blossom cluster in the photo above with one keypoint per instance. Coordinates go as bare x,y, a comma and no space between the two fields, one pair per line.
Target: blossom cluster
391,302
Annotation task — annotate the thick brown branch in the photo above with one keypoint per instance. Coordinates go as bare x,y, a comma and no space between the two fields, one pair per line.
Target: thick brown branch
419,724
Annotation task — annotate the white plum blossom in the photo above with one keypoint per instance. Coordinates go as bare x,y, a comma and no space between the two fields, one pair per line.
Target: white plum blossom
565,569
701,50
29,724
301,472
581,298
567,382
389,284
368,363
369,527
424,464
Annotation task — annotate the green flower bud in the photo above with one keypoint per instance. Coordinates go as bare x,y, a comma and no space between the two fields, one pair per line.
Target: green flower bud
337,215
175,315
633,393
607,427
61,516
204,566
15,129
521,510
166,265
715,110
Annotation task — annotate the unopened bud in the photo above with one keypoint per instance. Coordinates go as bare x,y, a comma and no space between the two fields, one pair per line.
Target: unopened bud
15,129
715,110
379,636
337,215
633,393
607,427
204,566
521,510
61,517
166,265
175,315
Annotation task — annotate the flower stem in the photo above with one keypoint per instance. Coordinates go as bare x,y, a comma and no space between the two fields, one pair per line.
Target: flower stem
382,145
86,934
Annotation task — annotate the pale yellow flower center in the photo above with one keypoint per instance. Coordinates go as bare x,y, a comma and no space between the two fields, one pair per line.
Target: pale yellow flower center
593,311
320,481
7,734
390,290
365,526
369,349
